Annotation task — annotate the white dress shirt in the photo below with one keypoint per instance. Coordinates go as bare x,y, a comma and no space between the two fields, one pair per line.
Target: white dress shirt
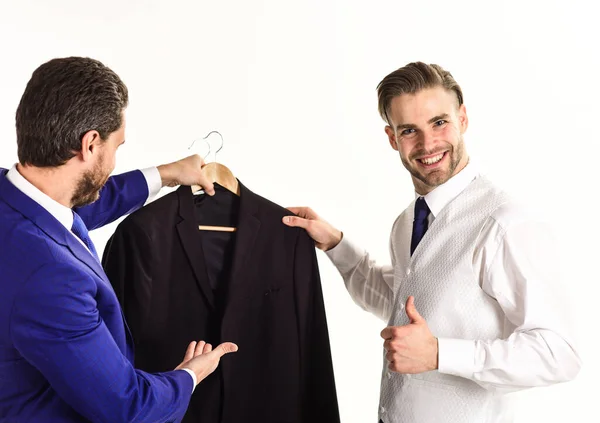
521,275
65,215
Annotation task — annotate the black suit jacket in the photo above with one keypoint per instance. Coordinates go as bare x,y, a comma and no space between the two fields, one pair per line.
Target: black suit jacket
271,307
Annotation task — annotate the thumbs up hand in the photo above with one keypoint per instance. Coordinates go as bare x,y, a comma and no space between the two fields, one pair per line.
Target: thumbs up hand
411,348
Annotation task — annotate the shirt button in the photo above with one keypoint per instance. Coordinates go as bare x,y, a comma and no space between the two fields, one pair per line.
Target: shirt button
408,271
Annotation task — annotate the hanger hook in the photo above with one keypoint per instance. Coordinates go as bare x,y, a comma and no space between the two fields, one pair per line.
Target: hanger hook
206,142
221,136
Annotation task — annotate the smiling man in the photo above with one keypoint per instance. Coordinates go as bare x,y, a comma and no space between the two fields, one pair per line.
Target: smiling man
479,267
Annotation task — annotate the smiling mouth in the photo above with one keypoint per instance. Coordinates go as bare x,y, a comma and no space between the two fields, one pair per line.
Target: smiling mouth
429,161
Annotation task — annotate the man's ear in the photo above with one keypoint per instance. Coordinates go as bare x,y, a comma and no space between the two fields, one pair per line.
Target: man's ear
391,137
90,143
463,119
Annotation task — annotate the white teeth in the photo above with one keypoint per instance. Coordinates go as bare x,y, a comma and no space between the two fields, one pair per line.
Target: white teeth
433,160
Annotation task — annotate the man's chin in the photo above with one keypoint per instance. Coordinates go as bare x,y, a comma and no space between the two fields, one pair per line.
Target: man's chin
435,178
87,201
94,198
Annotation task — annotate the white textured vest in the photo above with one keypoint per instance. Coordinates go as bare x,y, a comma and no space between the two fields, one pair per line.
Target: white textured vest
448,295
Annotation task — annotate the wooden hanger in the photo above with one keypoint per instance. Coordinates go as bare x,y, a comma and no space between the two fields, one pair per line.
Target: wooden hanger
219,173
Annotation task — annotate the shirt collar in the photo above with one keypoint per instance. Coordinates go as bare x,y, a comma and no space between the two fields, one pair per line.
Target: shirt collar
61,213
438,198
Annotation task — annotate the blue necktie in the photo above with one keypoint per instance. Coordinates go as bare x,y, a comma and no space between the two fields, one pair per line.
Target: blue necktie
419,224
81,232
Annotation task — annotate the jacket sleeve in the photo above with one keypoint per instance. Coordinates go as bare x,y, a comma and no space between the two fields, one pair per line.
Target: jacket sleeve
318,384
61,333
122,194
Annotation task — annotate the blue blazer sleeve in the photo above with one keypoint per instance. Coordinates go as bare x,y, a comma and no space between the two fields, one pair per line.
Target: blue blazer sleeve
61,333
122,194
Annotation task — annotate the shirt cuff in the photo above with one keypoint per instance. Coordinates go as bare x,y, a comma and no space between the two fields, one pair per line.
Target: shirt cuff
345,256
456,357
153,180
193,375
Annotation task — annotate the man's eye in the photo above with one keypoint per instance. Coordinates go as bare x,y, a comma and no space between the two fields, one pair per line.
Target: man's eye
407,132
440,122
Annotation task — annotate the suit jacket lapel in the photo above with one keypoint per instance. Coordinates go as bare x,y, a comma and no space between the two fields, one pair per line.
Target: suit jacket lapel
247,232
83,255
49,225
246,235
189,234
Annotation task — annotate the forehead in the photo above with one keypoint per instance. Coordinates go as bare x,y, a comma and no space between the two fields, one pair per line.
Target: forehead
421,106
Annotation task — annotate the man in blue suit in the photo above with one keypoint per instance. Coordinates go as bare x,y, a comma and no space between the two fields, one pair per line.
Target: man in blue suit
66,354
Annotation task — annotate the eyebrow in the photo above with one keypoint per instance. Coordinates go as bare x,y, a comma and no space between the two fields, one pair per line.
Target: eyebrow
432,120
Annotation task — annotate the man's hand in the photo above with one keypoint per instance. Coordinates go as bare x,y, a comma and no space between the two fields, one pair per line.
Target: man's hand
325,236
186,171
202,359
411,348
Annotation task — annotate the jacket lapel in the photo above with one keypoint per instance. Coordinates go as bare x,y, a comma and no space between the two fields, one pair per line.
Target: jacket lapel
246,235
49,225
189,234
247,232
83,255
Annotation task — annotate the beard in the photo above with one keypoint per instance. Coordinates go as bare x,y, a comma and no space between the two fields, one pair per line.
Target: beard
437,177
88,187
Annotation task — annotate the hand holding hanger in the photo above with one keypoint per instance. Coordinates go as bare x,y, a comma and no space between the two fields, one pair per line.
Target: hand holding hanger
187,171
217,172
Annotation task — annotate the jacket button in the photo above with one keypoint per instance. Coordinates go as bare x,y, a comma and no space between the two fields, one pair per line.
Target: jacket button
382,409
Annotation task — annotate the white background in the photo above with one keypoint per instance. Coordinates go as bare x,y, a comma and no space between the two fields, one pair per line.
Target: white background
291,86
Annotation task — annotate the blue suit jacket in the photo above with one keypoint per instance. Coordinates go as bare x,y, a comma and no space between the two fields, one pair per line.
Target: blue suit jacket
66,354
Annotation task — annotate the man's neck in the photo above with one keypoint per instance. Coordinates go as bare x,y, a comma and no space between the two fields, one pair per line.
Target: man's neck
56,183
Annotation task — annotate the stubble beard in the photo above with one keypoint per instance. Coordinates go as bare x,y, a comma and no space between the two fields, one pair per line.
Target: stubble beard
88,187
437,177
